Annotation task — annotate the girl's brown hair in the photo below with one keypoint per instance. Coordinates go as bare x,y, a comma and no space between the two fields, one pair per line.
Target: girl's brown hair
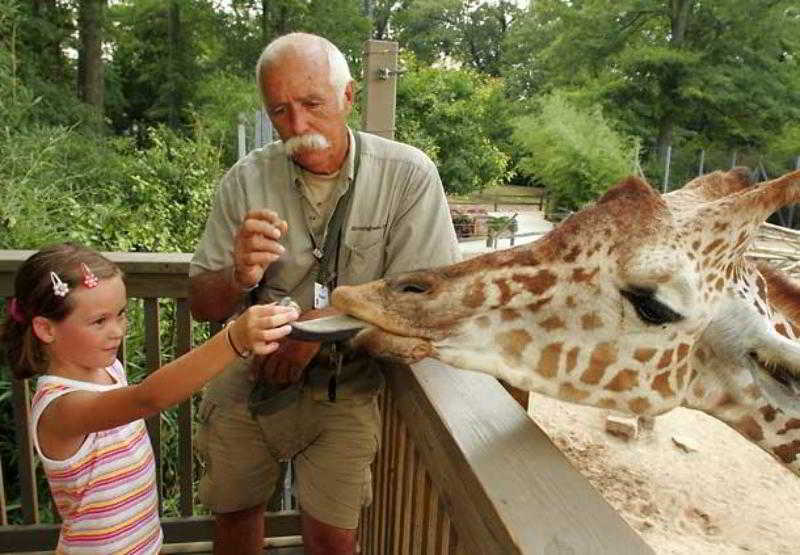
35,296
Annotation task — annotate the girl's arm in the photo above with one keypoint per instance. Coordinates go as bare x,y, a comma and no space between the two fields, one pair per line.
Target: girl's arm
74,415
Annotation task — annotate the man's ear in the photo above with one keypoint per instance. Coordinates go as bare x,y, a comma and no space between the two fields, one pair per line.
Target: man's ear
349,96
43,329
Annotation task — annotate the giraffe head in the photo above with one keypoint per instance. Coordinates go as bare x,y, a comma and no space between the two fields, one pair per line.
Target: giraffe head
639,303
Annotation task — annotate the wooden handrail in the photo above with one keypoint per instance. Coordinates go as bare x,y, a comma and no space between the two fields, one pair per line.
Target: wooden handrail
461,469
150,277
472,473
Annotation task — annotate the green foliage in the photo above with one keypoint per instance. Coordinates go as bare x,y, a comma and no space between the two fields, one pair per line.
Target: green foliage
727,74
448,109
574,151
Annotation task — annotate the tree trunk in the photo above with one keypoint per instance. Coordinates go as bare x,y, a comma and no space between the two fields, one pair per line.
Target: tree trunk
264,22
679,20
90,61
174,61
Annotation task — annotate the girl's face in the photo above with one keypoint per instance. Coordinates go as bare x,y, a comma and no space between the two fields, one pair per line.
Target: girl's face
88,339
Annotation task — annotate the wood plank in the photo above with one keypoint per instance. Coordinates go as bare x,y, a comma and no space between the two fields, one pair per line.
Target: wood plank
152,353
509,488
3,508
183,344
44,537
20,397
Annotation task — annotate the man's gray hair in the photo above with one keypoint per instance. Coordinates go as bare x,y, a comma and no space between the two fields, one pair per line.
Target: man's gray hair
339,70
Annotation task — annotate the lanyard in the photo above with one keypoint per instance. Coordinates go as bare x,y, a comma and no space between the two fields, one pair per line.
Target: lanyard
326,272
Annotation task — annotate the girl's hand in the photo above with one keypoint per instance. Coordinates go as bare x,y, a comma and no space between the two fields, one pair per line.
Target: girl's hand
260,327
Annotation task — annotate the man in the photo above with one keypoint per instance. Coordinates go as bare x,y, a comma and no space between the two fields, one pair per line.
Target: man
270,233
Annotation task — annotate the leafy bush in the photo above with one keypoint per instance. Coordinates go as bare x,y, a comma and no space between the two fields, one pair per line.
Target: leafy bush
442,111
574,151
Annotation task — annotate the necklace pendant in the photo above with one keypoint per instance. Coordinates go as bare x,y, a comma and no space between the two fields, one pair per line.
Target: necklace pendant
317,253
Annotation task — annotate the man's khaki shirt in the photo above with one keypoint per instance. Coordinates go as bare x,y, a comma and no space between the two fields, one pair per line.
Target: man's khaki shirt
398,221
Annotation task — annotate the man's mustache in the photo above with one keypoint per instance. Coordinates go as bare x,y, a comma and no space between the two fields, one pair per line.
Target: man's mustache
307,141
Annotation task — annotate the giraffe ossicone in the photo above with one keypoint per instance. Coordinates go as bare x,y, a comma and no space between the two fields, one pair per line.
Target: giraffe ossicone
640,303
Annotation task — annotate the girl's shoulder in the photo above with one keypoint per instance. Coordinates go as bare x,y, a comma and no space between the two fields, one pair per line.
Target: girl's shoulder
48,385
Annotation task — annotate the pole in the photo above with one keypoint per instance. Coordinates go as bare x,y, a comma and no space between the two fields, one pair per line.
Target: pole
380,79
666,168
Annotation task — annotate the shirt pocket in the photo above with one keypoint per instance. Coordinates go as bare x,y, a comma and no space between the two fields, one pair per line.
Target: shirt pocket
363,260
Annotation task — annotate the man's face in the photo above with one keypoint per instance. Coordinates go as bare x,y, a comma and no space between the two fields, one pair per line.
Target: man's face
301,103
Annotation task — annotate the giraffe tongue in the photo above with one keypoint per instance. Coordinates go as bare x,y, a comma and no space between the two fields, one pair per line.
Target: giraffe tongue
329,328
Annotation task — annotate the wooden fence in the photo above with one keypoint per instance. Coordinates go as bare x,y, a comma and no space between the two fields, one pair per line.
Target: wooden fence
461,469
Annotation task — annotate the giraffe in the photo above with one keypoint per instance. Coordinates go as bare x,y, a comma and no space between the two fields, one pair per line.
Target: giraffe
639,303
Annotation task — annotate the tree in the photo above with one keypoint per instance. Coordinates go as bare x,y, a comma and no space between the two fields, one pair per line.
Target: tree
468,32
443,112
670,70
91,87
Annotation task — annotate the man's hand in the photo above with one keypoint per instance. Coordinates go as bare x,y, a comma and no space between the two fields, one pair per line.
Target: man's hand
287,363
256,246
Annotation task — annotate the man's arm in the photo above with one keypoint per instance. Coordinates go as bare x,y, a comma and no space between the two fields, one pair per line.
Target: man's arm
216,294
213,296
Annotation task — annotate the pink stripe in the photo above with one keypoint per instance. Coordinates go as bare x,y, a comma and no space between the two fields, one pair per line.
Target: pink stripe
89,539
72,472
115,507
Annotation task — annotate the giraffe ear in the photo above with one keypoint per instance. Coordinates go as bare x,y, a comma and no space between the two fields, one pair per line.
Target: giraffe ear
776,368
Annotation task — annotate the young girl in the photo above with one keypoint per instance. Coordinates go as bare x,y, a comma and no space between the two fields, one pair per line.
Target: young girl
65,324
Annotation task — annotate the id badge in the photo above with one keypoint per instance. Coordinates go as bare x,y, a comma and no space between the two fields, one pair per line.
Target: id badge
321,296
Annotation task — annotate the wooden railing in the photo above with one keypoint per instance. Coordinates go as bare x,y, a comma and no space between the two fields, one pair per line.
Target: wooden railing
461,468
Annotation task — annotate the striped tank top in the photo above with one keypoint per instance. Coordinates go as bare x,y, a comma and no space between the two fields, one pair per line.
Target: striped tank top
105,492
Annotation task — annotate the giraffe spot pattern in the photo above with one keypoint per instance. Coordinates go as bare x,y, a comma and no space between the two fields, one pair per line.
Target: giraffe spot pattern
476,295
750,428
662,386
681,374
591,321
505,291
552,323
788,452
683,350
572,254
712,246
666,359
791,424
537,283
534,307
580,275
509,315
603,356
768,412
569,392
572,358
607,403
625,380
639,405
512,343
548,360
644,354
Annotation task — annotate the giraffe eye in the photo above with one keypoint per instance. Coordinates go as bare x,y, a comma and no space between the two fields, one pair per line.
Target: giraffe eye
414,288
649,309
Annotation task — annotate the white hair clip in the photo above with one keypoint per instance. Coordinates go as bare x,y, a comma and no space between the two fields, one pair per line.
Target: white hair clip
60,288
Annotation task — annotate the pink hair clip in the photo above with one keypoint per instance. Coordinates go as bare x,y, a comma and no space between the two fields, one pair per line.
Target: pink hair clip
15,311
60,289
89,279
